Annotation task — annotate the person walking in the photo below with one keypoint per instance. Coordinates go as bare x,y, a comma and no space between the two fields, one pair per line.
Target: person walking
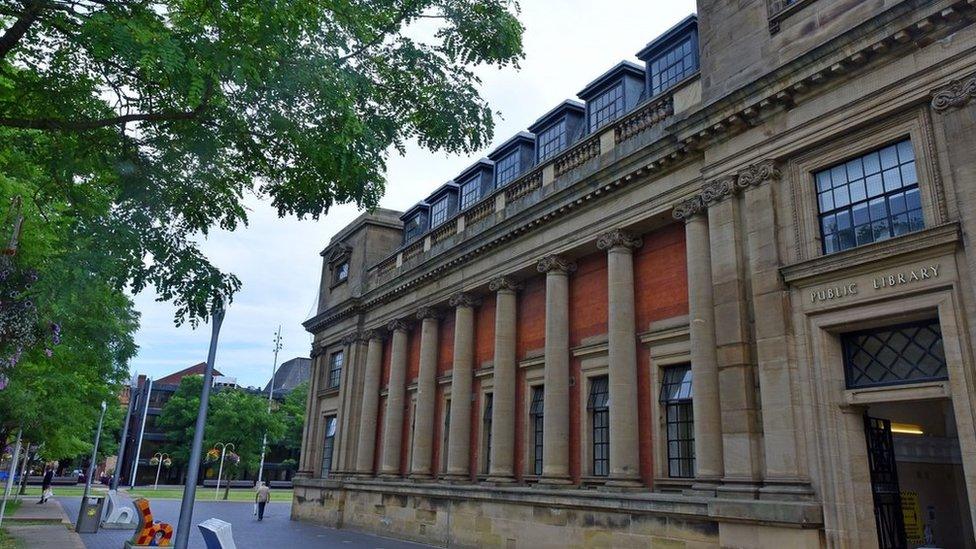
46,483
261,498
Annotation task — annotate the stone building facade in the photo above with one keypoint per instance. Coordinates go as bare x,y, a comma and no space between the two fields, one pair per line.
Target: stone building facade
725,301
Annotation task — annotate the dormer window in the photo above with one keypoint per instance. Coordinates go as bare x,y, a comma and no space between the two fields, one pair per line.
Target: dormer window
470,192
438,213
507,169
552,141
414,227
672,57
606,107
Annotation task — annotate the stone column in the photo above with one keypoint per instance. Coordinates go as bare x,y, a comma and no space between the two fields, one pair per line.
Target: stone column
503,399
306,466
784,449
555,421
462,374
704,364
393,420
350,382
423,435
741,445
371,400
622,350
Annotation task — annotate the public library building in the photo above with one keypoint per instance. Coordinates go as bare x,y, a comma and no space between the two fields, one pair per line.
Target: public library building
725,298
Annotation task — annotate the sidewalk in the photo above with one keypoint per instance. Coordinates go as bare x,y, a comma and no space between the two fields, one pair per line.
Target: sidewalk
43,526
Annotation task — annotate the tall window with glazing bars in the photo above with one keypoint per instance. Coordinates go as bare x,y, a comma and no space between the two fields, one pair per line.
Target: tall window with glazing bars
869,198
674,64
606,107
486,432
335,369
676,398
330,432
599,407
535,412
507,169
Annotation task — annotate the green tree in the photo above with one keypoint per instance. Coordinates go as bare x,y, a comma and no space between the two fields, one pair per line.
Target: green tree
292,414
157,117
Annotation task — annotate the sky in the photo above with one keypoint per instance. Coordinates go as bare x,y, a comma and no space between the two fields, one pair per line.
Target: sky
568,43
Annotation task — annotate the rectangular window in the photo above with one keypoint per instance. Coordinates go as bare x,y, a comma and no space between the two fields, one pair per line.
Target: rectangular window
870,198
535,412
674,65
606,107
598,405
438,213
507,169
335,369
445,437
486,432
676,397
341,272
552,140
330,431
414,227
470,192
909,353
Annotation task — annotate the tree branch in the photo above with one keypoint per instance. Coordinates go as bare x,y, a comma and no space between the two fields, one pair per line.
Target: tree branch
94,124
32,9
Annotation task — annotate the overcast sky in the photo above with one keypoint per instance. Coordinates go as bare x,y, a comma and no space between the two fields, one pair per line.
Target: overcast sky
568,43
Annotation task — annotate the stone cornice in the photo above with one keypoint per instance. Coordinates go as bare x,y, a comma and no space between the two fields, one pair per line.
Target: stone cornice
618,238
463,299
956,95
504,284
557,264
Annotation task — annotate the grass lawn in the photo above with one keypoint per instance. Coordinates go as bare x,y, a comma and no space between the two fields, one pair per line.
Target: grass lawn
7,542
12,507
236,494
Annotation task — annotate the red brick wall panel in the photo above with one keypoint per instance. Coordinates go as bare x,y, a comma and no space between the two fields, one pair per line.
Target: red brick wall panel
413,354
531,317
661,276
588,298
445,344
387,354
484,328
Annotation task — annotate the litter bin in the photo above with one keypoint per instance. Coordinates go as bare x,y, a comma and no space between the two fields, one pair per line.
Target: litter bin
90,515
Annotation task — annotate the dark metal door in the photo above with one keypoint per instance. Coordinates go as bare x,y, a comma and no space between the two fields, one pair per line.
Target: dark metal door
884,484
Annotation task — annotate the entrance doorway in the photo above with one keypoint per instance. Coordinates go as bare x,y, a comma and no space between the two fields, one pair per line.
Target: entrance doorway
917,476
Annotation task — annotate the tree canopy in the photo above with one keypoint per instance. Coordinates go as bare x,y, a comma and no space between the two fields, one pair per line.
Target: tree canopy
147,122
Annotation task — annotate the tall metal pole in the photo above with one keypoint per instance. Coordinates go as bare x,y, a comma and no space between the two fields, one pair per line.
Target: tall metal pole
120,461
274,366
91,468
142,432
193,470
10,479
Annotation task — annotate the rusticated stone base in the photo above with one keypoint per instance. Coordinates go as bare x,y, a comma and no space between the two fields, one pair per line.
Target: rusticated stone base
480,516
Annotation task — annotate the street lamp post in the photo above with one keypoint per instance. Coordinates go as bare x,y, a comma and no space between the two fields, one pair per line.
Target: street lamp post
193,468
161,458
133,385
91,468
274,366
220,470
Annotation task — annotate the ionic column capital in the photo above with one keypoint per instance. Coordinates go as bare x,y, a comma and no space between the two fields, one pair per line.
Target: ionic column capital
462,299
374,333
555,264
956,95
619,239
398,325
689,209
504,284
718,190
353,338
428,313
758,174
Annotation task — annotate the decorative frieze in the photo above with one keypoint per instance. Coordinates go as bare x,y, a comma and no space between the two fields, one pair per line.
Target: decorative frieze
619,239
464,300
555,263
956,95
504,283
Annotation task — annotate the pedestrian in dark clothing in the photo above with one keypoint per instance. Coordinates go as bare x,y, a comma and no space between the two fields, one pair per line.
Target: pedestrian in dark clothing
46,491
261,499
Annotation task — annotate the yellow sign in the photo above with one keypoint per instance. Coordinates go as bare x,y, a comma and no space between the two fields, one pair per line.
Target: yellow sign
912,511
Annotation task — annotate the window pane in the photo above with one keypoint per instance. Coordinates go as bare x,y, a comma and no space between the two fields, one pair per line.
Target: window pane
552,140
507,169
674,65
855,210
909,353
606,107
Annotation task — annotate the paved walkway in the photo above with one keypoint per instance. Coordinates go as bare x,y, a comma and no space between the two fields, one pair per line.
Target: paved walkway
43,526
276,531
